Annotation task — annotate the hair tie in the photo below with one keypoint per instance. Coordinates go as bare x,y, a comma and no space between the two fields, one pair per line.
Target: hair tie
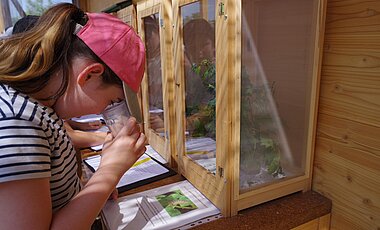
80,17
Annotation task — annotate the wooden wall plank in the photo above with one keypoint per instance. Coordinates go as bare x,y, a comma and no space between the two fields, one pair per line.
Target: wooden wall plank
350,86
311,225
359,142
353,16
324,222
351,185
347,156
98,6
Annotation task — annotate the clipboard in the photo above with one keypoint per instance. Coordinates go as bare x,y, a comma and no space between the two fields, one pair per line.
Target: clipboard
144,171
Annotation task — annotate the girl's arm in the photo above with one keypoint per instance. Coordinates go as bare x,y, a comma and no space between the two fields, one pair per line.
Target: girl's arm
83,139
26,204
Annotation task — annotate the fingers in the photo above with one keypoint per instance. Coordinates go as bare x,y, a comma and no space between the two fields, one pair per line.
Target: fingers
142,139
132,126
108,137
114,195
141,142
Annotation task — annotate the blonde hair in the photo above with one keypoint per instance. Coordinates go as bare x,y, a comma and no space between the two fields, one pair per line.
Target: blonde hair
29,59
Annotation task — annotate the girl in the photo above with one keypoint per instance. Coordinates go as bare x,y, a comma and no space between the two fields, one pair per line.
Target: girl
68,65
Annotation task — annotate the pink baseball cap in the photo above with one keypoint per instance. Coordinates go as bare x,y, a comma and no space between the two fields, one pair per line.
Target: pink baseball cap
121,49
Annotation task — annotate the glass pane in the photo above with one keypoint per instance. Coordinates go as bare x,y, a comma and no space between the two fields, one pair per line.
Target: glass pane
199,65
277,42
153,56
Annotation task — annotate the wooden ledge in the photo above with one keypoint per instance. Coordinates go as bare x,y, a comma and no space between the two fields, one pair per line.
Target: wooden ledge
283,213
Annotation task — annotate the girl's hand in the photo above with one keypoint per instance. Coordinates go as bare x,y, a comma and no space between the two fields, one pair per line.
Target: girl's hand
156,123
114,195
121,152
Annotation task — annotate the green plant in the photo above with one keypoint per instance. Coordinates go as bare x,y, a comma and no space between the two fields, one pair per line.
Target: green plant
205,127
37,7
260,144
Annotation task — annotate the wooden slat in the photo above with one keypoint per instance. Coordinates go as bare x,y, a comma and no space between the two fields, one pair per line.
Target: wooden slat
347,160
205,182
168,82
348,54
179,82
353,17
319,21
351,184
357,141
160,144
157,143
311,225
321,223
2,24
267,193
128,15
324,222
185,2
339,222
224,88
350,87
234,73
148,7
98,6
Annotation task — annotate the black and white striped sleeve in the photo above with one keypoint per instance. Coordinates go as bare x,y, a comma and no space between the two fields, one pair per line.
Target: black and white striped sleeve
24,150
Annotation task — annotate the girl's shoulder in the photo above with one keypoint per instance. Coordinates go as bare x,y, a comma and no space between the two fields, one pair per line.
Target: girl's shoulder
14,104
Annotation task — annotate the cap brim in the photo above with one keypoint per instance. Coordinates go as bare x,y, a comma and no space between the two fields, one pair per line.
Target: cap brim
132,102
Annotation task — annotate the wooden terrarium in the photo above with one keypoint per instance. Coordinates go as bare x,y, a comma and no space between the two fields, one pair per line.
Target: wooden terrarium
128,15
234,84
154,26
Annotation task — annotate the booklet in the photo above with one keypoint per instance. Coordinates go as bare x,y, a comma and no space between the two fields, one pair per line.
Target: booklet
202,151
144,171
154,154
174,206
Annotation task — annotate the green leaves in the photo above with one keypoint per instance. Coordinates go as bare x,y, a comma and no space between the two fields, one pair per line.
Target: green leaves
175,203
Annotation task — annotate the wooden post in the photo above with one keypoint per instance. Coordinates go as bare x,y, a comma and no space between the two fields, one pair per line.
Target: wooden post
1,18
6,14
18,8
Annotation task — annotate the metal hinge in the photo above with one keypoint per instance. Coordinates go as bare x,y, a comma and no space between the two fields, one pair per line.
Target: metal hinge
220,171
222,11
221,8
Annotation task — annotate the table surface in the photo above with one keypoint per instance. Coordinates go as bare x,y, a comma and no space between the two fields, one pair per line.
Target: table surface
283,213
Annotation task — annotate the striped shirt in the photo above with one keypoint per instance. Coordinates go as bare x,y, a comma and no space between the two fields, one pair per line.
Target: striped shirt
34,144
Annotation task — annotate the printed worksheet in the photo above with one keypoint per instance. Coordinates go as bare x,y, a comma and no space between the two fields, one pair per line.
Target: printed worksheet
144,168
168,207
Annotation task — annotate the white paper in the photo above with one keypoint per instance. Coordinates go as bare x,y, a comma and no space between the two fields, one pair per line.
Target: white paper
156,111
144,168
204,144
202,151
144,211
88,118
154,154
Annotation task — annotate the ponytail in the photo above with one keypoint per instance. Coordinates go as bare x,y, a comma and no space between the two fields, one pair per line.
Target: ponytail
28,60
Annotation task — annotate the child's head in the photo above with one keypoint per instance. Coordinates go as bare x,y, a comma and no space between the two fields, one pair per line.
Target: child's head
152,36
199,40
25,24
69,47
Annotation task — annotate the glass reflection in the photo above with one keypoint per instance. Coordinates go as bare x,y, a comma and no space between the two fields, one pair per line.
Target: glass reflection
275,87
199,65
153,56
